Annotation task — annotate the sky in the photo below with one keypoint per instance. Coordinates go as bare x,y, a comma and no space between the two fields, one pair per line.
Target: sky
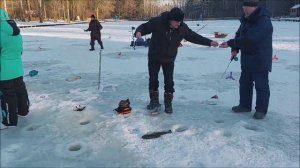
54,135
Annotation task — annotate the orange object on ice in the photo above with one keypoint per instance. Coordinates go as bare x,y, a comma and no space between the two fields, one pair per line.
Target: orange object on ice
220,35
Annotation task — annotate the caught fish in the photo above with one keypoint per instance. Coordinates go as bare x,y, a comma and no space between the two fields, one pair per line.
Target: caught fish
155,134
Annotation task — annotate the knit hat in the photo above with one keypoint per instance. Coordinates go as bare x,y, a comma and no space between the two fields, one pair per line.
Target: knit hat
176,14
3,15
251,3
93,16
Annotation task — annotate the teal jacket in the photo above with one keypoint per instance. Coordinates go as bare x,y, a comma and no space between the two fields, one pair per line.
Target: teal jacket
11,45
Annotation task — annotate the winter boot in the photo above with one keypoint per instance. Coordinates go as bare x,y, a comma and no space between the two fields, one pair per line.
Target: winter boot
154,100
101,45
168,102
259,115
92,48
240,109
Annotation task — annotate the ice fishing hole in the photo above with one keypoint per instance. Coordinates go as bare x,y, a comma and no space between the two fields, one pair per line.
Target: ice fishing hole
219,121
84,122
75,147
251,127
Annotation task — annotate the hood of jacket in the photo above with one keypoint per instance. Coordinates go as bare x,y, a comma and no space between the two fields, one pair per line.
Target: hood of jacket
3,15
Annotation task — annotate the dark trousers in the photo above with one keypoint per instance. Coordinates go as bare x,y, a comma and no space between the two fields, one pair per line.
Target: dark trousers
92,42
14,100
168,70
261,81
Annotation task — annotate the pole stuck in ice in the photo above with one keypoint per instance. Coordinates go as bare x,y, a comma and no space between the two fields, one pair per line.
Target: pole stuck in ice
99,73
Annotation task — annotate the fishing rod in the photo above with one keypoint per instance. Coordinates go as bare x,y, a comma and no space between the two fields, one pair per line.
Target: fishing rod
133,28
202,27
99,73
232,58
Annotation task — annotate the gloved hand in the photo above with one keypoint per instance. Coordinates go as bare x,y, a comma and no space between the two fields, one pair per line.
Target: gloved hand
234,56
214,44
85,30
224,45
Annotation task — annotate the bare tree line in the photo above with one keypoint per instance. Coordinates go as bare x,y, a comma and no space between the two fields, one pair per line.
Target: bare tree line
195,9
71,10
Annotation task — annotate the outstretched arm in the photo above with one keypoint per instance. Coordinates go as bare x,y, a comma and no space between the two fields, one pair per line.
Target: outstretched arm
193,37
256,34
230,43
100,26
145,28
89,28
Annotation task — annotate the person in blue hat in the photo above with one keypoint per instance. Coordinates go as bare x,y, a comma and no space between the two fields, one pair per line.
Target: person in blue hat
254,40
14,99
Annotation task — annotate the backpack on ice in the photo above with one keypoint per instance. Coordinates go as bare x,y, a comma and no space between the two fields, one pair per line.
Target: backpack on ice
124,107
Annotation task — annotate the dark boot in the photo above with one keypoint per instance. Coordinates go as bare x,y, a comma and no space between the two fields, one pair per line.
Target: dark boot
92,43
259,115
168,102
101,45
154,100
240,109
22,97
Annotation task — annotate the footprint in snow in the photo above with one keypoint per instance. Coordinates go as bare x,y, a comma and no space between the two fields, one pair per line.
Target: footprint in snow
73,78
33,127
219,121
227,134
110,88
251,127
84,122
45,82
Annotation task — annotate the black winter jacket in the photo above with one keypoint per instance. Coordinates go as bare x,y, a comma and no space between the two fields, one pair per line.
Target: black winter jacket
165,40
95,28
254,39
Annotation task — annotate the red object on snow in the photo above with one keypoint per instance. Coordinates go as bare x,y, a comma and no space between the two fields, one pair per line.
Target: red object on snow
275,58
215,97
220,35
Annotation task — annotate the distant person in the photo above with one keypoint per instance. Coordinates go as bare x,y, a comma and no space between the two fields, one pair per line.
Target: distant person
14,97
254,40
95,28
168,30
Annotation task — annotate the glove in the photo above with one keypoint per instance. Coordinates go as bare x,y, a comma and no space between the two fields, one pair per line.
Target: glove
235,58
85,30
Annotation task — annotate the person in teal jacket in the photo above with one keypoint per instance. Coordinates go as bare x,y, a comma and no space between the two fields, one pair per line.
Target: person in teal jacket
14,98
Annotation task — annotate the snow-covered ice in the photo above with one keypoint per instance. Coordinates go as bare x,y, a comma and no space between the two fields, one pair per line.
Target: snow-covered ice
54,135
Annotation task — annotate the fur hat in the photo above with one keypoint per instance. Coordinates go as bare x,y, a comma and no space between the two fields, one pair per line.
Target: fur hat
251,3
176,14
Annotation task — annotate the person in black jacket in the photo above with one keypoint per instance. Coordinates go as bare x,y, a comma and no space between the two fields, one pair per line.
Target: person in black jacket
95,28
254,40
168,30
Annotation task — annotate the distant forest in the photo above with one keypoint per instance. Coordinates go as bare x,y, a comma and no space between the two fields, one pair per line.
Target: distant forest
71,10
